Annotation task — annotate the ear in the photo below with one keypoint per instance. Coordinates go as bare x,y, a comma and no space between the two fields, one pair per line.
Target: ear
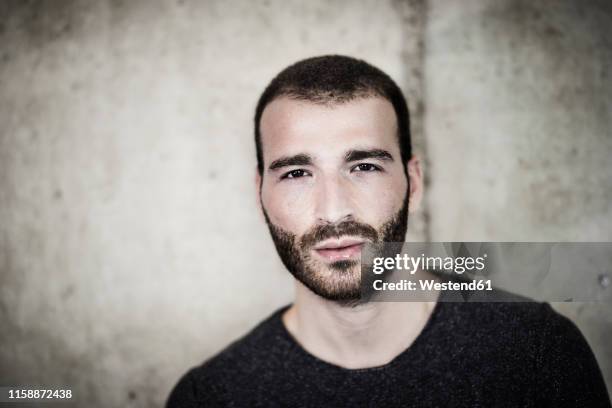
416,183
258,180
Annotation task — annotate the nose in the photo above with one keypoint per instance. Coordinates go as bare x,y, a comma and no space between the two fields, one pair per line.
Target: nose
333,202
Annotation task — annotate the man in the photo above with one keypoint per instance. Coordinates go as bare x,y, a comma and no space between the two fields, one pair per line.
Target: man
336,171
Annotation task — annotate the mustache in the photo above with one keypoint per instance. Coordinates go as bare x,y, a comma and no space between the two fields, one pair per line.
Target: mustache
322,232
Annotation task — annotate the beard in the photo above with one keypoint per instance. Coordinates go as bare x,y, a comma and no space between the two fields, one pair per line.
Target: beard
338,281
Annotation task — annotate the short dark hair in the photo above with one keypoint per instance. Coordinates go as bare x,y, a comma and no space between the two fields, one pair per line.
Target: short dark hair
333,79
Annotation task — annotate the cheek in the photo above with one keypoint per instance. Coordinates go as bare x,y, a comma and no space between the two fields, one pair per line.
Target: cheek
377,201
289,207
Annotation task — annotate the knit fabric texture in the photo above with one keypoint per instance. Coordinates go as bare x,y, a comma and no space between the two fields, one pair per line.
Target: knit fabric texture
481,354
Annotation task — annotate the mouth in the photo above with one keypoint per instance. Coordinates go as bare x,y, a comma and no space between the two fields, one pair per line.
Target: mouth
340,249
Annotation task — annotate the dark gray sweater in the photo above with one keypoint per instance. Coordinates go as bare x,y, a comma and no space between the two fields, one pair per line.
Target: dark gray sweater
469,354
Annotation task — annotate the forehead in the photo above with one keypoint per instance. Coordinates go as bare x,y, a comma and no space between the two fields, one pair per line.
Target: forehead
290,126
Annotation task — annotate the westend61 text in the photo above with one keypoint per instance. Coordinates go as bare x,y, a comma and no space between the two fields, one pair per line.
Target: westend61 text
431,284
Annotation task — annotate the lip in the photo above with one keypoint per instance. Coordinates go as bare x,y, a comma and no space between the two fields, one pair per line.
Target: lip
340,249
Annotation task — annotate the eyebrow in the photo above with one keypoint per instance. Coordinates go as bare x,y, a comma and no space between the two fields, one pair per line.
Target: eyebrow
354,155
297,160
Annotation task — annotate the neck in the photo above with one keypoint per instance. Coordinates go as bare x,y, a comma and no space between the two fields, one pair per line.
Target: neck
363,336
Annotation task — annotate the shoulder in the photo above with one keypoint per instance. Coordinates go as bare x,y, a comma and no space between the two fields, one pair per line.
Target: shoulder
236,363
504,323
502,309
526,333
499,309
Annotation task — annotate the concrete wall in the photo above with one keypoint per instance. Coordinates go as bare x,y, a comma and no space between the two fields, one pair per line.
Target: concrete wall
131,246
518,126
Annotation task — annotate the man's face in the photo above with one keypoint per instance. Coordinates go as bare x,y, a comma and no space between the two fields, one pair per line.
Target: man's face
333,180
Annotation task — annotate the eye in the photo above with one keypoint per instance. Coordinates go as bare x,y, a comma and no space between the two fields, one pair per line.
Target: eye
366,167
295,174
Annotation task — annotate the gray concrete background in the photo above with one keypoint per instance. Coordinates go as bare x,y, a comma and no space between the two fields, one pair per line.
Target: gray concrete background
518,127
131,246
